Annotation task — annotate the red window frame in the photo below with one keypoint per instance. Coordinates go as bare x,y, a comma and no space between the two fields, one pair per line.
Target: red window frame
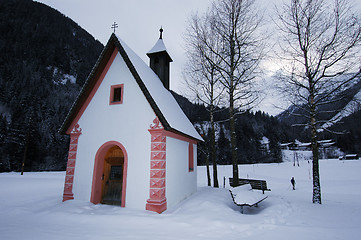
114,88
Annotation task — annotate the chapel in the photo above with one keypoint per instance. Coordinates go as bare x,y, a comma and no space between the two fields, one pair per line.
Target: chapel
130,143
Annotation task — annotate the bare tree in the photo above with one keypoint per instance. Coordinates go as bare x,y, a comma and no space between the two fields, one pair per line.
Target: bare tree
321,51
202,76
236,25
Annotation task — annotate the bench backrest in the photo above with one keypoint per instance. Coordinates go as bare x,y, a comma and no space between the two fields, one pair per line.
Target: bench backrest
256,184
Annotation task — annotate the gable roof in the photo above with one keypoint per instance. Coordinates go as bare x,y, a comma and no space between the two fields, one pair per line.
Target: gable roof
160,99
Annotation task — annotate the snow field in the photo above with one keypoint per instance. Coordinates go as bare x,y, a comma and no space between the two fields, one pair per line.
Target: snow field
31,208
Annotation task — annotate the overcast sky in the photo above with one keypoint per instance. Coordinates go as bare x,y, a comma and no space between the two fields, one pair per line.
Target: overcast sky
139,22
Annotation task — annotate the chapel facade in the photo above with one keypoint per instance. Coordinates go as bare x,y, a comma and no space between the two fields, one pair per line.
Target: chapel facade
130,143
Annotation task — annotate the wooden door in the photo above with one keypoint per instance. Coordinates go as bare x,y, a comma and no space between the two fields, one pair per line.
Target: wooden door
113,178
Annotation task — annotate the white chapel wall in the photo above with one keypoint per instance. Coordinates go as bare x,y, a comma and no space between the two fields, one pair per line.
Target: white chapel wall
180,183
126,123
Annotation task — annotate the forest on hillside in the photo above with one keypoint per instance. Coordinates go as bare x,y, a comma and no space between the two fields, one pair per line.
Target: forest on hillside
251,127
45,59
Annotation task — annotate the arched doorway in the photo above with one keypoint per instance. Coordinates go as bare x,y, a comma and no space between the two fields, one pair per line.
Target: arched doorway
109,178
112,177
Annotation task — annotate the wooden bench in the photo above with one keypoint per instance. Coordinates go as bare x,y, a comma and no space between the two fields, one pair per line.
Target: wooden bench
256,184
244,196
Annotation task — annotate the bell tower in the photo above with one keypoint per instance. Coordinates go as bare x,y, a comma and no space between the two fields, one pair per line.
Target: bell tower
159,60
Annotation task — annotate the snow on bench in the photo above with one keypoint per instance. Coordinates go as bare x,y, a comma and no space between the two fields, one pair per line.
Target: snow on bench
245,196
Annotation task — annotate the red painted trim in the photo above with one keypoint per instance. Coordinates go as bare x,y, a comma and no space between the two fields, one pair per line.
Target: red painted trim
98,172
121,86
94,90
70,168
156,206
190,157
180,137
157,201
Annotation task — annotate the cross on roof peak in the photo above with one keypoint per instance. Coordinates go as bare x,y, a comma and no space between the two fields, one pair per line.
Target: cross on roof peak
114,26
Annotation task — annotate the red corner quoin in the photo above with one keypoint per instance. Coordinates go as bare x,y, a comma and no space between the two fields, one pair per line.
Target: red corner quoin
69,178
157,201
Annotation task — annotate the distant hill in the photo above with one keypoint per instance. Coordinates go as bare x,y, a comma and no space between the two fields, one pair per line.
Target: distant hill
344,112
252,129
45,58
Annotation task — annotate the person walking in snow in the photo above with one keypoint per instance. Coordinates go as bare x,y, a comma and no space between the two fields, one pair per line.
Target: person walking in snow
293,182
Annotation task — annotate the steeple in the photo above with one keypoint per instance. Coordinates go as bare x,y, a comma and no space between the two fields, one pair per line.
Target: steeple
161,33
159,60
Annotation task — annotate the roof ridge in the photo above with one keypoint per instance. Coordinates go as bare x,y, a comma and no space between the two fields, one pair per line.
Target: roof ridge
161,111
141,84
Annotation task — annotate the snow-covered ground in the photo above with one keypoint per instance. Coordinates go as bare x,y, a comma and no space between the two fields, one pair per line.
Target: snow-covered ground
31,208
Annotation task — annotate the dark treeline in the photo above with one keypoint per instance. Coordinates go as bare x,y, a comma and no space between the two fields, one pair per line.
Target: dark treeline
40,48
251,128
350,141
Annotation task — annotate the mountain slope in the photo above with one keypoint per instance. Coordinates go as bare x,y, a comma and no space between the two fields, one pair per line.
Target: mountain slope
351,107
338,116
45,59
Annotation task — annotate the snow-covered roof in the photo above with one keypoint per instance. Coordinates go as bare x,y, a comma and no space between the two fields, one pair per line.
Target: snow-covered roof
285,144
304,144
168,106
158,47
323,143
264,140
160,99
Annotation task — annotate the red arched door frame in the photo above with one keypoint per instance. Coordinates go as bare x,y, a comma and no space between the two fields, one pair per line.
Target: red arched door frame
98,172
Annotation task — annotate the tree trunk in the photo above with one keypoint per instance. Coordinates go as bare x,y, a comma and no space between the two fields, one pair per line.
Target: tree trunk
207,166
316,196
25,152
233,141
208,173
213,149
231,106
